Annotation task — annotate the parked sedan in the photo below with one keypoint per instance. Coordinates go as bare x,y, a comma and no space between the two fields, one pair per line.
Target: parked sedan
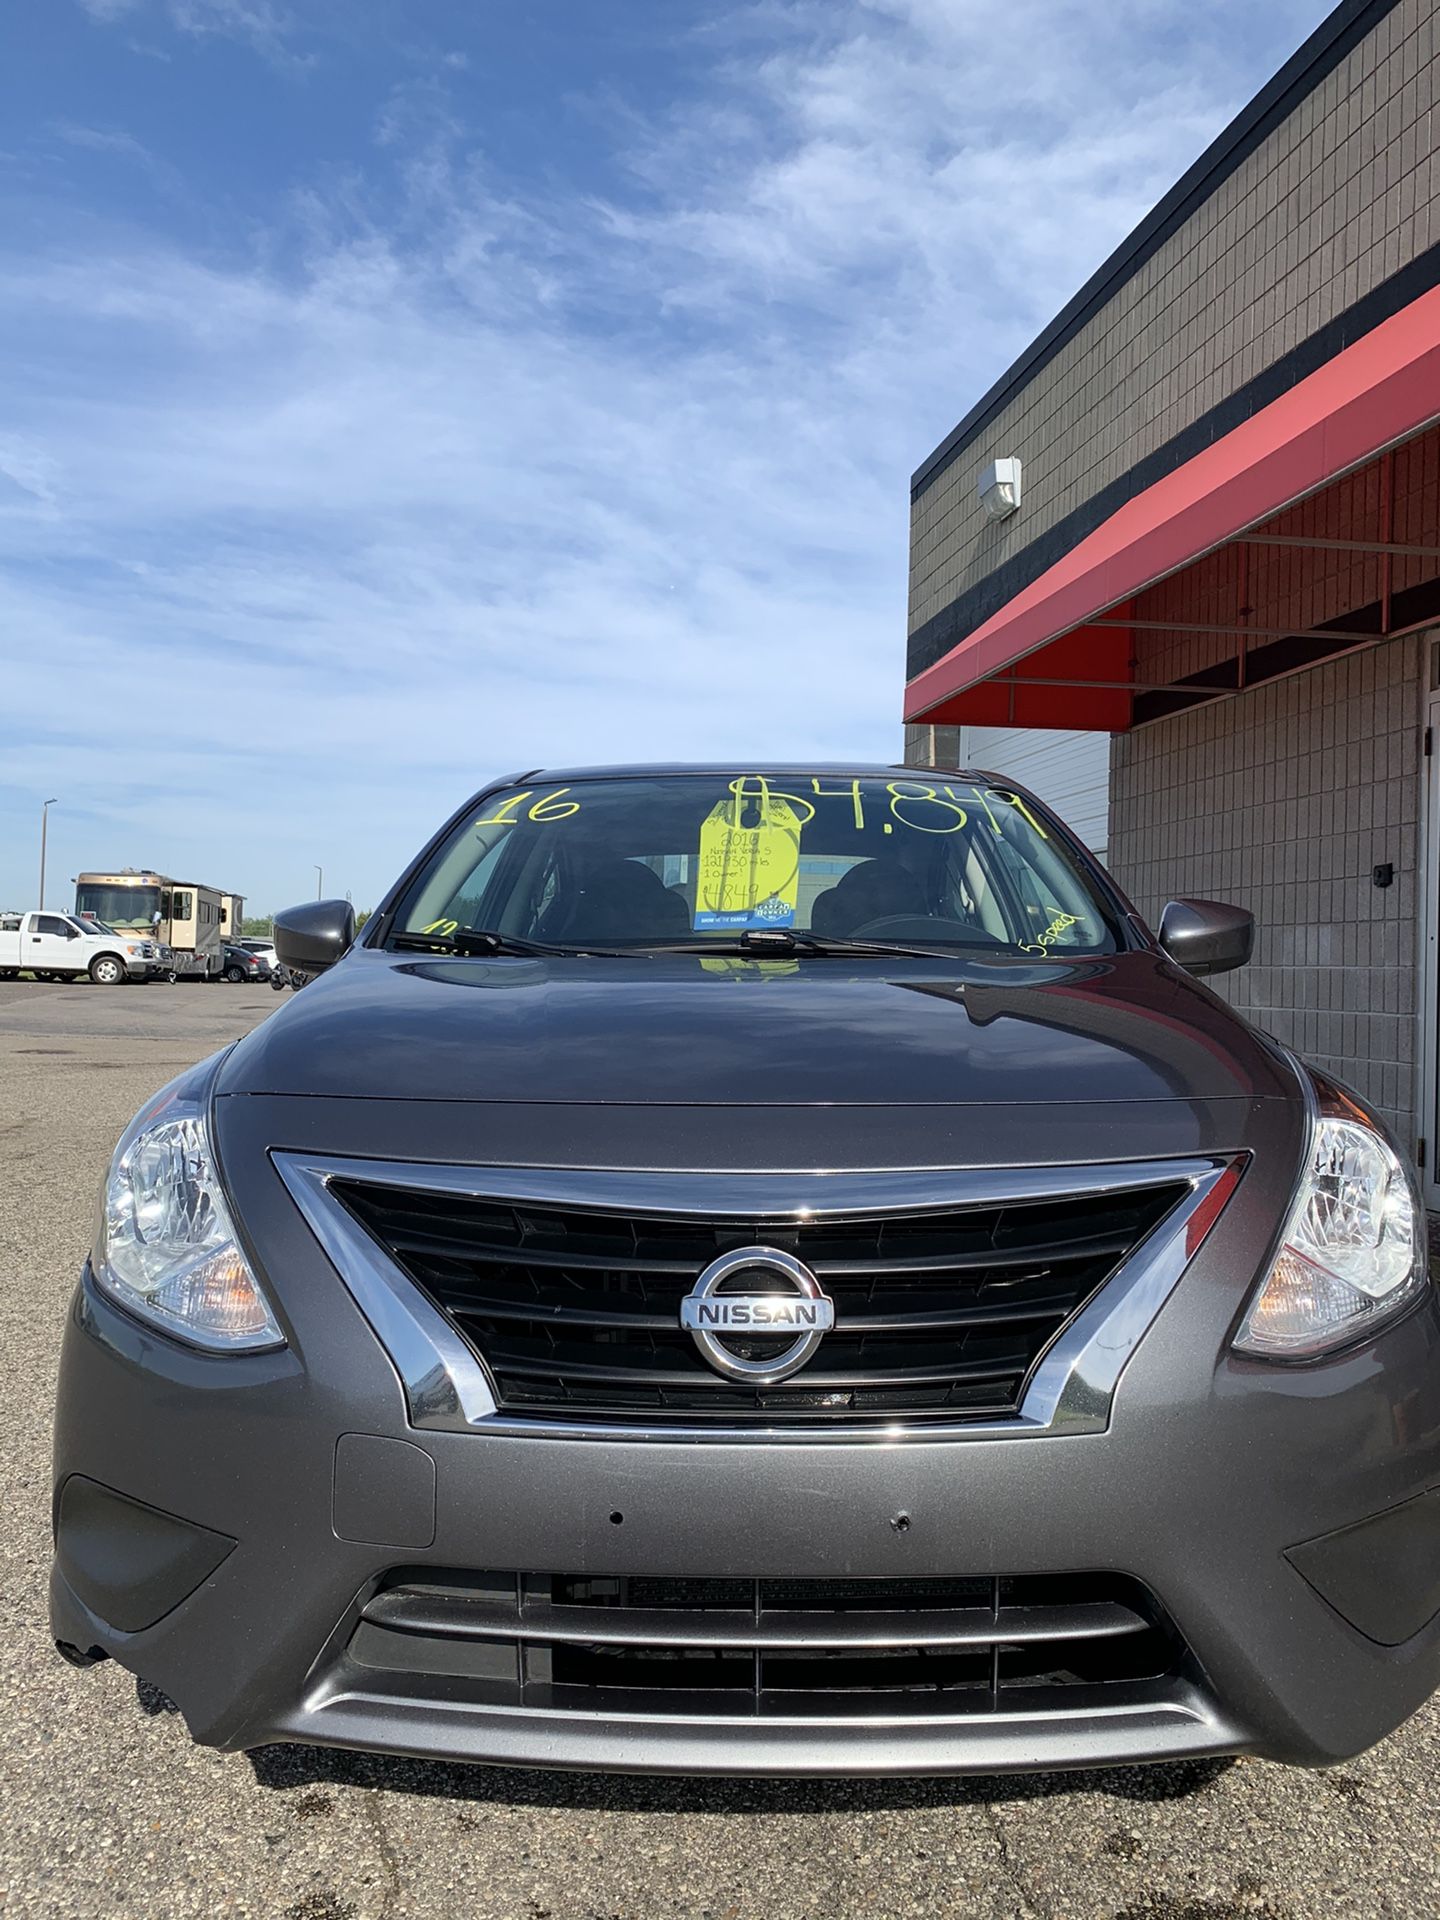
264,948
241,965
742,1271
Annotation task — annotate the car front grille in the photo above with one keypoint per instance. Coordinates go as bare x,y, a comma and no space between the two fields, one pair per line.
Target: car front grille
809,1649
576,1312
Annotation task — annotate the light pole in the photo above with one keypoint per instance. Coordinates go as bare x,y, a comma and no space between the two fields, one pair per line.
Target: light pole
319,881
44,830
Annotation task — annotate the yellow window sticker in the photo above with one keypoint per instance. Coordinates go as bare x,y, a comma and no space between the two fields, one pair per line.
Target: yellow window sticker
748,871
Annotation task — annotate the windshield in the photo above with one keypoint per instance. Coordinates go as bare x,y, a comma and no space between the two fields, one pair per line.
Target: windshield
657,860
127,908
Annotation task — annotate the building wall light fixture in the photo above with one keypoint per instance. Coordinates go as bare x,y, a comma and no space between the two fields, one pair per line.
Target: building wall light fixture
1000,489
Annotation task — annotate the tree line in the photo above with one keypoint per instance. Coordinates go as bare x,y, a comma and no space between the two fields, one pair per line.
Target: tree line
262,926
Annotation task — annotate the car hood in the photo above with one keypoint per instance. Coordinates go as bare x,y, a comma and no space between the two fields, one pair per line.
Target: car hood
698,1031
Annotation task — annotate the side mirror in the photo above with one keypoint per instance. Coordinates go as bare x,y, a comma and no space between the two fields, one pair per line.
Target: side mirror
310,938
1205,936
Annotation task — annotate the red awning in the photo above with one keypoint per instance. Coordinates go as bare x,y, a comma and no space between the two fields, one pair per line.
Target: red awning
1061,653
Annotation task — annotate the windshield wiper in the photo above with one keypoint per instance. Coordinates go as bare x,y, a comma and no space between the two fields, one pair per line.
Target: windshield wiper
760,943
471,941
752,943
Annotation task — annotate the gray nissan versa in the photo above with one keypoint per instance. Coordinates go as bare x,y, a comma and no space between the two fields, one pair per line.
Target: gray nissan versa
758,1271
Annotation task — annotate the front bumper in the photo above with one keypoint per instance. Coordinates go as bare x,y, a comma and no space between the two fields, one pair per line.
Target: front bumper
256,1652
313,1489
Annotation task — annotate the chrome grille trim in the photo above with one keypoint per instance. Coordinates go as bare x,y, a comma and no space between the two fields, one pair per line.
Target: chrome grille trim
448,1388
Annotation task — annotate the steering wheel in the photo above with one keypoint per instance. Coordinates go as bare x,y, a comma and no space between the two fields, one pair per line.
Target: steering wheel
920,926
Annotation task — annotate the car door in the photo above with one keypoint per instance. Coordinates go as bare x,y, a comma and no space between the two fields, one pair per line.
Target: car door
52,944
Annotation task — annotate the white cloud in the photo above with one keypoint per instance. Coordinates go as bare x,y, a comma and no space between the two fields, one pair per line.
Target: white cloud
28,469
101,140
451,472
262,23
115,143
230,16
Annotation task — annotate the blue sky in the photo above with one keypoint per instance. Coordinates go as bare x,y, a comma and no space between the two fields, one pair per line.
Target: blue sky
398,392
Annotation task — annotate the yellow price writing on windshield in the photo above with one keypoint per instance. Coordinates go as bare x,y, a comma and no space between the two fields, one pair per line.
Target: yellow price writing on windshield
948,815
550,806
918,804
755,800
851,793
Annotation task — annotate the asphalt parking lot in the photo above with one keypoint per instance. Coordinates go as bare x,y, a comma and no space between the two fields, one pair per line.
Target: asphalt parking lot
108,1809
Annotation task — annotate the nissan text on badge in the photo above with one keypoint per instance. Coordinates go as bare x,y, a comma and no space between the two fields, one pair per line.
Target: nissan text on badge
758,1270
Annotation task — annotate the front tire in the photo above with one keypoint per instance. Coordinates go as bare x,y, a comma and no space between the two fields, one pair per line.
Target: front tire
106,970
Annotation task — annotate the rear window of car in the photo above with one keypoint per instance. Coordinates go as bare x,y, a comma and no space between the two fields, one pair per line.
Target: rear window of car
660,860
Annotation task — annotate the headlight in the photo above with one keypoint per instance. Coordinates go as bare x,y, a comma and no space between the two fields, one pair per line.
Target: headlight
1355,1247
166,1246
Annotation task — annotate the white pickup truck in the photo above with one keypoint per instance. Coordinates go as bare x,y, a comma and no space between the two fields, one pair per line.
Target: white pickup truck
54,946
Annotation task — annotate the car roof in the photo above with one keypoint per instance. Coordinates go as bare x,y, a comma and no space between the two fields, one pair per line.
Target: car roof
775,769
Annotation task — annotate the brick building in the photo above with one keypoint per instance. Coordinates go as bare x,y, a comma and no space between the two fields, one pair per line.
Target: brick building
1224,568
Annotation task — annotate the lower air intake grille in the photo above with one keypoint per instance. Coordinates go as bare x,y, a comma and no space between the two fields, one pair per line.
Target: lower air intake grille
801,1648
576,1312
